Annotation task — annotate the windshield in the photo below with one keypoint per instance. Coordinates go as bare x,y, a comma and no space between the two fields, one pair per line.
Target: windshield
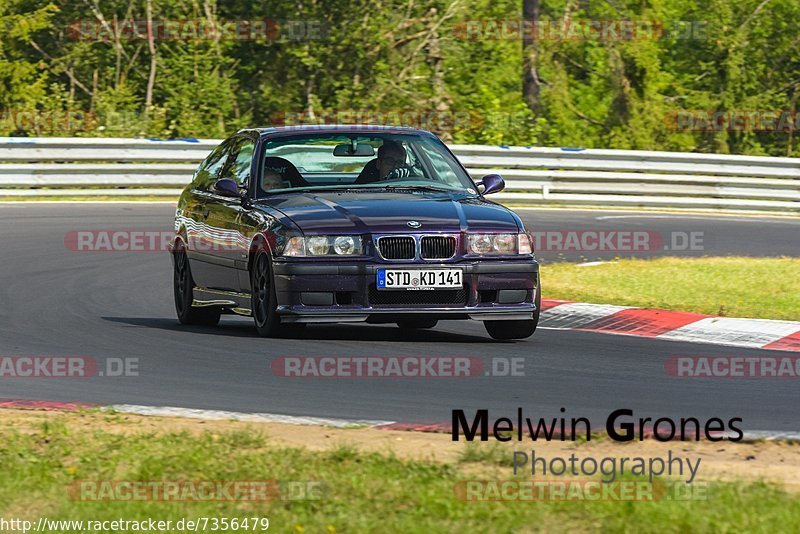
361,162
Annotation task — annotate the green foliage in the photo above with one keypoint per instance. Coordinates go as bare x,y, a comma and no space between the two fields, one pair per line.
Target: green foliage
413,62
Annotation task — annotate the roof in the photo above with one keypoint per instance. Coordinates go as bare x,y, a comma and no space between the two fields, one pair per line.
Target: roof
339,128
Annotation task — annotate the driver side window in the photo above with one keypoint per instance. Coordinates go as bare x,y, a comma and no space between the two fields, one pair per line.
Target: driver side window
240,162
208,172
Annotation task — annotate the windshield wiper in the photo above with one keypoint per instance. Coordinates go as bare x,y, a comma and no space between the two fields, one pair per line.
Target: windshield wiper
420,188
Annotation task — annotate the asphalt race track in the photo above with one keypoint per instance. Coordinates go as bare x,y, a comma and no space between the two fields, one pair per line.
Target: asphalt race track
119,305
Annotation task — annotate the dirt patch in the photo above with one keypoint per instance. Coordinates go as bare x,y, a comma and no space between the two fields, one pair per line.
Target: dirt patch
774,462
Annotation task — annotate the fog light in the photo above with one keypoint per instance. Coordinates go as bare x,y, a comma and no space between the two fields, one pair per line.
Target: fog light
512,296
316,298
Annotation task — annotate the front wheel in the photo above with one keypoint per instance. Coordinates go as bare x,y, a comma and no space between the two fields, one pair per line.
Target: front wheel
511,329
516,329
264,302
183,289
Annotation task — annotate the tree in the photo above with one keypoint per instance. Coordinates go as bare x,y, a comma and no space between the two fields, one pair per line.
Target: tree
531,85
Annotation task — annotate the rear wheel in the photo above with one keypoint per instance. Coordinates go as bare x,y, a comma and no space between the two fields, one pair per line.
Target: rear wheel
183,287
418,324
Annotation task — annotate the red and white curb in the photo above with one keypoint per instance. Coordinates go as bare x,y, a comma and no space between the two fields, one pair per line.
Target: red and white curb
220,415
671,325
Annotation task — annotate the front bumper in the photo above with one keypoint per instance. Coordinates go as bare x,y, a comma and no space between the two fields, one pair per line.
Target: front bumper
345,292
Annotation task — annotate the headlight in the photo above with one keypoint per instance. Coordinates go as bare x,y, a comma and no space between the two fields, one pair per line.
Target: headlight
317,245
506,244
480,243
296,246
345,245
322,245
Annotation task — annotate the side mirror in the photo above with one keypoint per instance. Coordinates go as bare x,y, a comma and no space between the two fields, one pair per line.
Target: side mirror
227,187
492,183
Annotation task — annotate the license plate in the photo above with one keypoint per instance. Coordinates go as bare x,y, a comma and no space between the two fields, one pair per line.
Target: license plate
419,279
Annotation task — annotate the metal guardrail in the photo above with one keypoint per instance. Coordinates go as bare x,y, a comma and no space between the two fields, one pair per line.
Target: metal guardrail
609,178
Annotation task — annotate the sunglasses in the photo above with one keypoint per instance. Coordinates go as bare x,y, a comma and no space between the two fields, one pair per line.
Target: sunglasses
393,161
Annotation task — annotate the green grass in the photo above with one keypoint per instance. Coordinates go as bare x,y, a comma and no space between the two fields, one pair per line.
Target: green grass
363,492
485,453
765,288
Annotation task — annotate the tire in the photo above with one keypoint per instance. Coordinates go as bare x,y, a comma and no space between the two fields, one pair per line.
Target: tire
264,302
418,324
510,329
183,290
505,330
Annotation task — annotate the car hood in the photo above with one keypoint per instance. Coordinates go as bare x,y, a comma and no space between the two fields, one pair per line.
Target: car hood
390,211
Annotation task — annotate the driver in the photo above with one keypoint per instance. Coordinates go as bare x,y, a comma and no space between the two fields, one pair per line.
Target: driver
391,161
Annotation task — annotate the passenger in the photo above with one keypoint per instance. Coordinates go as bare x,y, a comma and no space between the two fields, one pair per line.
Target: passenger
271,180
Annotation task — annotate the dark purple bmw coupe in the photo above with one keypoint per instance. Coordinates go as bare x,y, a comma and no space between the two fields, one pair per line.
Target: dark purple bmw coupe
315,224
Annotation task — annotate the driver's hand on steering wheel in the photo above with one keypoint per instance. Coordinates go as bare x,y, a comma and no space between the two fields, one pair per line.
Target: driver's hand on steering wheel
398,173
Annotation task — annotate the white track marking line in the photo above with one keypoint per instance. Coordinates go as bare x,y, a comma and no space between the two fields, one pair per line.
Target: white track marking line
594,263
771,435
703,218
708,214
170,411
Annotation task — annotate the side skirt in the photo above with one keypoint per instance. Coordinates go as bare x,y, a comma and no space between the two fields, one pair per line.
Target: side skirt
230,301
